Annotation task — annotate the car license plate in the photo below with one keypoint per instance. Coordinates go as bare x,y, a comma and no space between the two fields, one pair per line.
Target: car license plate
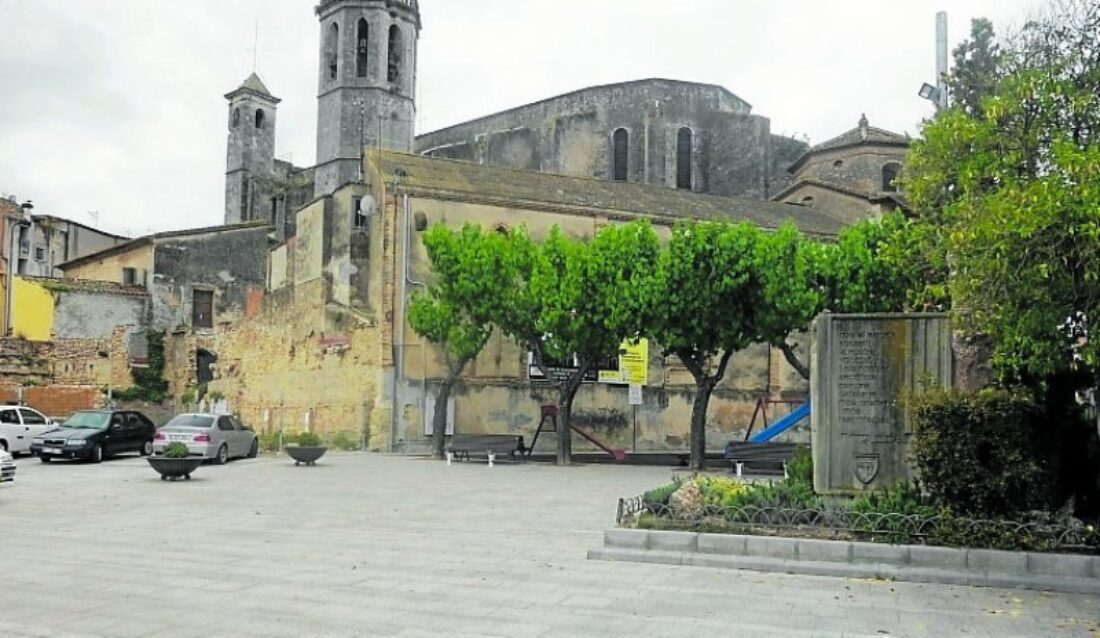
179,437
51,450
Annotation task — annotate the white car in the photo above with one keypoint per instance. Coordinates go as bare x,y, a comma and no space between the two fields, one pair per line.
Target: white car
19,426
7,467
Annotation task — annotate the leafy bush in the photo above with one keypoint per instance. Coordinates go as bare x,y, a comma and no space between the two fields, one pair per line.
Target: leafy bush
722,491
801,466
976,452
308,439
344,441
176,450
659,495
903,498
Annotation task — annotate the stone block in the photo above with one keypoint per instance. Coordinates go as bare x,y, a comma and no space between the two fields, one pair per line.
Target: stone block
672,541
1068,565
988,560
880,553
721,544
824,551
937,557
785,548
629,538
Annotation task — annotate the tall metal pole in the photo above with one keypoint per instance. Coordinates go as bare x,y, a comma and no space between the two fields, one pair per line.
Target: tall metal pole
941,58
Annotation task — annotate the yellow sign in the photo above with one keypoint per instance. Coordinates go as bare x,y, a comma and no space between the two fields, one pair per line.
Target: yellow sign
633,365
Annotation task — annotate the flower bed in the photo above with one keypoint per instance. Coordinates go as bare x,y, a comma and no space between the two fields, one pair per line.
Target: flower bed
718,504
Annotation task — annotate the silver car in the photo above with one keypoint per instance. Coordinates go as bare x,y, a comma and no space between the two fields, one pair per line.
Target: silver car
210,436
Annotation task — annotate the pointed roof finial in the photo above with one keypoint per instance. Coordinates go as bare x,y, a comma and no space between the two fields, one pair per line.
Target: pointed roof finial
863,126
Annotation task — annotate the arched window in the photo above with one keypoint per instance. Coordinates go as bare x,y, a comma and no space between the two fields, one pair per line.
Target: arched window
684,151
236,117
620,156
393,73
260,118
332,51
362,48
808,201
890,174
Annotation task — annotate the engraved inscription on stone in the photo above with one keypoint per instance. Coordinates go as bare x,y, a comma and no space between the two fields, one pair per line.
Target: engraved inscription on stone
865,395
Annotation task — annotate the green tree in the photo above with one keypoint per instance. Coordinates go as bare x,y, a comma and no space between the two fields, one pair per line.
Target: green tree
977,67
456,310
570,299
1008,196
702,308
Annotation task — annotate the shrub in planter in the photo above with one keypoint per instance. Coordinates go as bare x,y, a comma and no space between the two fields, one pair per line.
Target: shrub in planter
977,452
308,439
176,450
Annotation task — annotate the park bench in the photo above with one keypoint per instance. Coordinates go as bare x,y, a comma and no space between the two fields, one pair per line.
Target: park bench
774,456
490,445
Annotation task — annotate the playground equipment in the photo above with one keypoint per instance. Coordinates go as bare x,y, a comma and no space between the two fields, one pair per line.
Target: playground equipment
549,423
782,425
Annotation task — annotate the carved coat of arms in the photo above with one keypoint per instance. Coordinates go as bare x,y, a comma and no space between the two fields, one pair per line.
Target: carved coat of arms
866,468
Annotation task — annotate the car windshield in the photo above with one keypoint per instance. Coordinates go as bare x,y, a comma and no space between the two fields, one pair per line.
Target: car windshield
191,421
87,421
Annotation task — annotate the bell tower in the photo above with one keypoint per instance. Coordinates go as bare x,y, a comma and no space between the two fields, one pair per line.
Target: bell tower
250,160
367,84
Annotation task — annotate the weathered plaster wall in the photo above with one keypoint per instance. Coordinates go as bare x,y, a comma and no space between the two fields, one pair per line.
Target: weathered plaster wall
857,168
109,267
572,135
845,207
84,315
32,313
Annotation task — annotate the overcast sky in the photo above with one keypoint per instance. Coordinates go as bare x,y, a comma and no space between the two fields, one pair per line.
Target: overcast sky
116,106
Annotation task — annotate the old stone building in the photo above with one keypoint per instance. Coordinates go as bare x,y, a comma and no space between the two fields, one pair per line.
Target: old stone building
331,347
852,176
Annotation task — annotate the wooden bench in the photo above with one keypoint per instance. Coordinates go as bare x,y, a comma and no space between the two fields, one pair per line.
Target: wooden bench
491,445
774,455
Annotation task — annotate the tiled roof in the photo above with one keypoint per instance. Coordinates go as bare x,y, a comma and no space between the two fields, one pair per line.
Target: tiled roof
89,286
253,84
864,134
150,239
465,181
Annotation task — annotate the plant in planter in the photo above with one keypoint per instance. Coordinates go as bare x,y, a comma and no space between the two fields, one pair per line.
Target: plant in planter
175,462
308,450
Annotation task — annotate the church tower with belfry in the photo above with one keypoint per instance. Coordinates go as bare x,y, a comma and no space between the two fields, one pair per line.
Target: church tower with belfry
250,157
366,85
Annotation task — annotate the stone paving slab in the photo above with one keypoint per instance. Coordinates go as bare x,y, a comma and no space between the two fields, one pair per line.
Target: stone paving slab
380,546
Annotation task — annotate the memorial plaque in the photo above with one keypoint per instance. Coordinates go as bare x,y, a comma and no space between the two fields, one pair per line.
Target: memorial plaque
863,368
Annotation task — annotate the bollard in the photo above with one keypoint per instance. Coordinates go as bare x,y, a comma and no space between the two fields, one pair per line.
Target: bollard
740,468
492,457
450,457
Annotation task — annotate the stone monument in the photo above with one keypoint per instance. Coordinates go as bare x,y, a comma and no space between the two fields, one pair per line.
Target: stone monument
863,368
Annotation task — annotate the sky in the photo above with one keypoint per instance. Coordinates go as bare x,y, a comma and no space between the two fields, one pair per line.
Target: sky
112,111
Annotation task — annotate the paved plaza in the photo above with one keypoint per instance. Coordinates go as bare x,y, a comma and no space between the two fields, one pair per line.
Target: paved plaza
371,545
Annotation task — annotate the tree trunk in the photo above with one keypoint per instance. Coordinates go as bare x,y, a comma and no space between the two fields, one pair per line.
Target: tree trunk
698,445
439,417
566,393
788,352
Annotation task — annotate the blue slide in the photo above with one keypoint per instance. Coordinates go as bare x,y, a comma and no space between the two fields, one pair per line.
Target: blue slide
782,425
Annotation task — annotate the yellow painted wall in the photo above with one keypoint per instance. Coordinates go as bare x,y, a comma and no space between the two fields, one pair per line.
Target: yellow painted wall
32,310
110,268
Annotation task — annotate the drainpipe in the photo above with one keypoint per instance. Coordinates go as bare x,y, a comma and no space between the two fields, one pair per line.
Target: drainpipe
409,281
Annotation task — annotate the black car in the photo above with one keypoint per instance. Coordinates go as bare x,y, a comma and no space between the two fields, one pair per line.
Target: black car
94,434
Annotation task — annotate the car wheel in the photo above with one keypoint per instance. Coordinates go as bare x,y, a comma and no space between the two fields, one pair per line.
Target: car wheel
45,459
97,454
147,448
254,450
223,455
4,445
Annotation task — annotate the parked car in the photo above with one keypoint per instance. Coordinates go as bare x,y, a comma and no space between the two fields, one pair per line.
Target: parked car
96,434
7,467
19,426
210,436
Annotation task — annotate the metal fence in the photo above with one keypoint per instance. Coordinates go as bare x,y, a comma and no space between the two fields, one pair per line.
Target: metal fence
890,527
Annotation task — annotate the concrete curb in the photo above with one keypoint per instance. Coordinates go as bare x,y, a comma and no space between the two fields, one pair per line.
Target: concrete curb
1069,573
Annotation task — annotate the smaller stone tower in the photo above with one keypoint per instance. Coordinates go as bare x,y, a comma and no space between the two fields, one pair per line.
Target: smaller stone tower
366,85
250,164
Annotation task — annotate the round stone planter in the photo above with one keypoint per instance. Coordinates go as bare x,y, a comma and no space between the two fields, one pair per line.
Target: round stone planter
174,469
307,455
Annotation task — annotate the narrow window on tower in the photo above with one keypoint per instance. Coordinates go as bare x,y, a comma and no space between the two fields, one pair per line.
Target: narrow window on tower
236,118
890,176
393,73
620,157
332,51
260,118
362,48
684,151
